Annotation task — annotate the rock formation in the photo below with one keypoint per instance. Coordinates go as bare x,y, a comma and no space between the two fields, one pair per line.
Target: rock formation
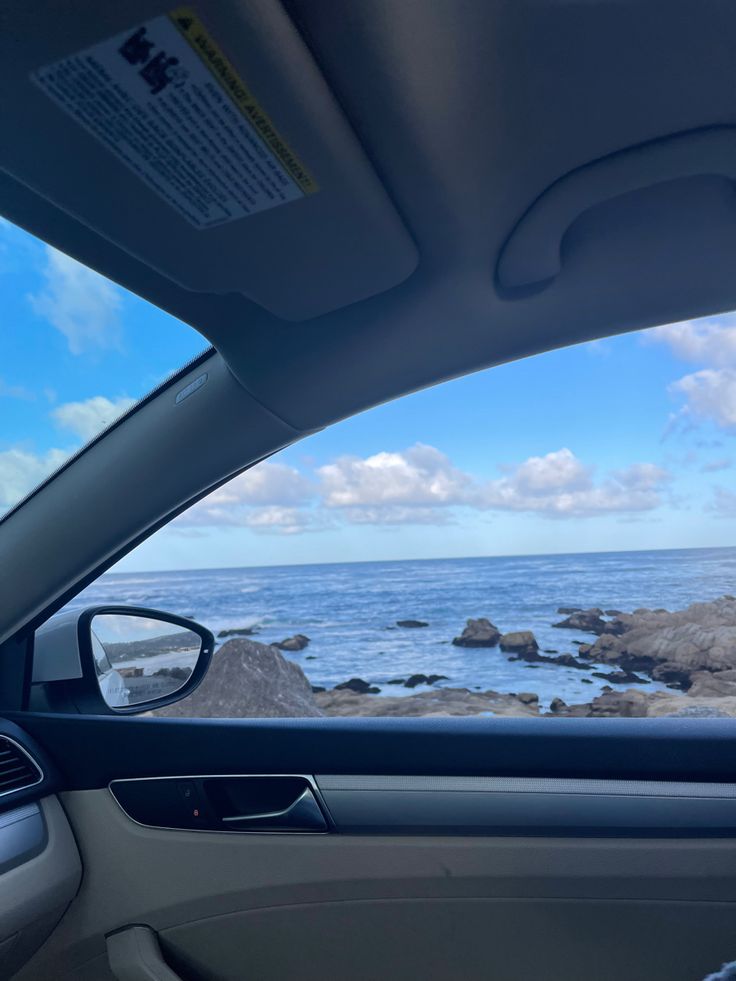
248,680
478,633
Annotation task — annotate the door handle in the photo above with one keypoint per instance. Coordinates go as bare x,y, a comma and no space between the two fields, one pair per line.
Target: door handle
304,814
134,955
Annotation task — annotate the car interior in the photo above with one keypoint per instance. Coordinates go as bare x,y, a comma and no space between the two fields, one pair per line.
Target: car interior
350,202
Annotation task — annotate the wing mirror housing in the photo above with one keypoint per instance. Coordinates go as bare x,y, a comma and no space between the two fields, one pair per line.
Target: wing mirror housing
117,660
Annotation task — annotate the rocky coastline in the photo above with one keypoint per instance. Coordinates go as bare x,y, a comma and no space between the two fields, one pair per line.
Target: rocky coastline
692,652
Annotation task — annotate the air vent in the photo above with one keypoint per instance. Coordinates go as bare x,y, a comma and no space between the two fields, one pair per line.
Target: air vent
17,770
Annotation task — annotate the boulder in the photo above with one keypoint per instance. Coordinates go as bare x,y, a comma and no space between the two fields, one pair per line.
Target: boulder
238,632
528,697
673,647
621,704
423,679
248,680
564,660
411,623
565,611
293,644
626,704
519,642
478,633
621,677
590,621
704,684
358,686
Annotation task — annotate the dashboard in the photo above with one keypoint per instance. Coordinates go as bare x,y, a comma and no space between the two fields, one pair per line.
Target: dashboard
40,867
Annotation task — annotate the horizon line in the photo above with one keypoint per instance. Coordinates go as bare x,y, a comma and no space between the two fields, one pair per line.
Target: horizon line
436,558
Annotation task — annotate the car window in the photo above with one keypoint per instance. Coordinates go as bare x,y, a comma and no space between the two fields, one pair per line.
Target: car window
77,352
552,537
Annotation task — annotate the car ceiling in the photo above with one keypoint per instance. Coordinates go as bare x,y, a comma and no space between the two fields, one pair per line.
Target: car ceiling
432,127
496,179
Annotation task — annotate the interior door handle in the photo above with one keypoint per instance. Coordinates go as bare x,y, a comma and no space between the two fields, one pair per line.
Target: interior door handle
134,955
303,815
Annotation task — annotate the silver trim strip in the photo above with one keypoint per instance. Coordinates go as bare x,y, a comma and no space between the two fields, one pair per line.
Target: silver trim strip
34,763
505,805
528,785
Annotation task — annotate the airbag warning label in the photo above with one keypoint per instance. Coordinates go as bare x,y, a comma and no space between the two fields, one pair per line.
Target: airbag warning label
166,101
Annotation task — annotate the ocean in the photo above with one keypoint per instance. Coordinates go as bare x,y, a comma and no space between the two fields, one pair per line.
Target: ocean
349,610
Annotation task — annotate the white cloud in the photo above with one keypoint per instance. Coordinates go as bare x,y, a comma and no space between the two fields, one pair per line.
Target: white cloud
78,302
417,477
419,486
20,472
710,394
88,418
711,341
279,520
559,485
267,498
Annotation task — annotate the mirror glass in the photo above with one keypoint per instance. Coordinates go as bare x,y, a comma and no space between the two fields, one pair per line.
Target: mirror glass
139,659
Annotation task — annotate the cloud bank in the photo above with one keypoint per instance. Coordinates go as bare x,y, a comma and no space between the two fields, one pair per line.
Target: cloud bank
421,486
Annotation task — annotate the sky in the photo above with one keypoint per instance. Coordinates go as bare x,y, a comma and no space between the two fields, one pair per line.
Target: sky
623,443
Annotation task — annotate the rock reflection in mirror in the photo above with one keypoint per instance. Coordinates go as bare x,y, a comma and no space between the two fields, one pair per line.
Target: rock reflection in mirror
139,659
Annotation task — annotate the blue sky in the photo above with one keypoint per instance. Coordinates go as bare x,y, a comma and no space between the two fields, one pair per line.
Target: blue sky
624,443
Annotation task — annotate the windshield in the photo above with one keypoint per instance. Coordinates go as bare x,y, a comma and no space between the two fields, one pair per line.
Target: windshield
77,351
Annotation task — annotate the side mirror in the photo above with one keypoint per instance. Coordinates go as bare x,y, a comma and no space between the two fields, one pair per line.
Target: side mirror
118,659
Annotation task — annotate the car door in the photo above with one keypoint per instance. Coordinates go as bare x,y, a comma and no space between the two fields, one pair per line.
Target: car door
448,848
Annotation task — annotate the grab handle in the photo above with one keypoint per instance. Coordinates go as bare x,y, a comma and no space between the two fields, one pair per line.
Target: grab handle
532,253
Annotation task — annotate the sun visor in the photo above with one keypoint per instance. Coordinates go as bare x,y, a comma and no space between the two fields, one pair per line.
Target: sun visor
206,143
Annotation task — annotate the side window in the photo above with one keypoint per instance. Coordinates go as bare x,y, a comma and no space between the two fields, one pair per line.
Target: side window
551,537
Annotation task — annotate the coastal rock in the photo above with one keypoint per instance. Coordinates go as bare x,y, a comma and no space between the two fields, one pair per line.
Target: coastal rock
673,647
411,623
590,621
620,704
439,702
293,644
565,611
626,704
248,680
519,642
621,677
478,633
238,632
528,698
358,686
423,679
706,685
687,706
564,660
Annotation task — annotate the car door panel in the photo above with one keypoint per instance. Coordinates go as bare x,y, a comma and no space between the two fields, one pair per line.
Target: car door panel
381,896
374,906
